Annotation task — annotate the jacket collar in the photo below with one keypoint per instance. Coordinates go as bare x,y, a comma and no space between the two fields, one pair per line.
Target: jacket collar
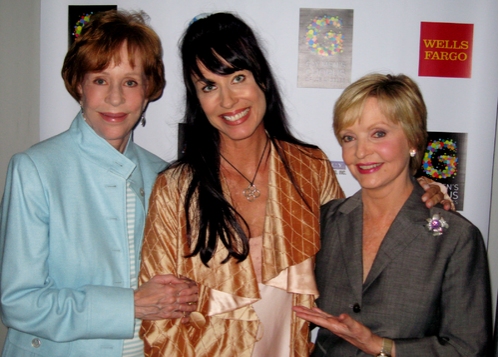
407,226
100,152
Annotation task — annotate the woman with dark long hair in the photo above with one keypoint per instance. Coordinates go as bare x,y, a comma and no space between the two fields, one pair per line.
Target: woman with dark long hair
396,278
239,212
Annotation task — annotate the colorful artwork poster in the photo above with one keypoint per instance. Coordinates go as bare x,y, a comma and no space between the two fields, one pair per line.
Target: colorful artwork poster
79,15
444,161
325,48
445,50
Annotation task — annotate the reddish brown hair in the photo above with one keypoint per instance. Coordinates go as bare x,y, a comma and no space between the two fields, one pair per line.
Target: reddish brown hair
100,43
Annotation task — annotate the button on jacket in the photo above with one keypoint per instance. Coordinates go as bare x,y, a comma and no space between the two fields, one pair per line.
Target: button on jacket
65,266
430,293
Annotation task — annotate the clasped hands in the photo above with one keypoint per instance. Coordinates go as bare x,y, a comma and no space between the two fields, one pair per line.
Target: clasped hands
170,297
166,297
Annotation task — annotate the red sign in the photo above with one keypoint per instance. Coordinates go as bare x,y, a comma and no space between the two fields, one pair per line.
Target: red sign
445,50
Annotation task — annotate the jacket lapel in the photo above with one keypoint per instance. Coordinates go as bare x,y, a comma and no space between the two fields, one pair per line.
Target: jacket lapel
408,225
350,235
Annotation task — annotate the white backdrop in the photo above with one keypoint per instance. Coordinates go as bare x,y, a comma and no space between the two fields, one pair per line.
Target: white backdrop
385,38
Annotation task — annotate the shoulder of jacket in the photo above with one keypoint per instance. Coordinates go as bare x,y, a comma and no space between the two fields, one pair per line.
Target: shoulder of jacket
151,159
454,219
178,175
51,151
332,206
302,151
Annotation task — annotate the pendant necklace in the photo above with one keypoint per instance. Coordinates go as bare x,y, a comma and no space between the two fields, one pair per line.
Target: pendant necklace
251,192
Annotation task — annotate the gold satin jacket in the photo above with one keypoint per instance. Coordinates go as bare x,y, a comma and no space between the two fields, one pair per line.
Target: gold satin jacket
225,324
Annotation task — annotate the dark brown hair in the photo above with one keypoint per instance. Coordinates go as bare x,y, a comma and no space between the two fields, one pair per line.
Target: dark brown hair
224,44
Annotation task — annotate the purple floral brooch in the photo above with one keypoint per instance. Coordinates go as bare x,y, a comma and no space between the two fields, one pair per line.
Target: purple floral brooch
436,224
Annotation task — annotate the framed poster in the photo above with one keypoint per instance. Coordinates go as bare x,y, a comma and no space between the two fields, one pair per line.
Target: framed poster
79,15
444,161
325,48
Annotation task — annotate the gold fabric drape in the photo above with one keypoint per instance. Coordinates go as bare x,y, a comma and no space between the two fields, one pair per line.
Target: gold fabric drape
225,324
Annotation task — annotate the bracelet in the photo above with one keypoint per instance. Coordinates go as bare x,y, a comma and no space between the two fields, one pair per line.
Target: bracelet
386,348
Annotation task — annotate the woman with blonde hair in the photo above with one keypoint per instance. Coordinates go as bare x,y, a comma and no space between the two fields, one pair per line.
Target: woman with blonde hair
395,278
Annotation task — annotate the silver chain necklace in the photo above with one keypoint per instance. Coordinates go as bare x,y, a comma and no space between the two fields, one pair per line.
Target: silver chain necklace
251,192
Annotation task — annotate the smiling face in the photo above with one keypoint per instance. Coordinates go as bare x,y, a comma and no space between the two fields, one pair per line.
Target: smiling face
234,104
113,99
376,150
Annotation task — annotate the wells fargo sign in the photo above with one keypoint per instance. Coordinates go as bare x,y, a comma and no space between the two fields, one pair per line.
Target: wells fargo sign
445,49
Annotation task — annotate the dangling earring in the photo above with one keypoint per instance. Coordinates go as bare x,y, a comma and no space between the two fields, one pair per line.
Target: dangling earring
412,153
82,113
143,119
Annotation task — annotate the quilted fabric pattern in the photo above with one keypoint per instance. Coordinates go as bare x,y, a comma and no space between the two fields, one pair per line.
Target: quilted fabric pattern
291,236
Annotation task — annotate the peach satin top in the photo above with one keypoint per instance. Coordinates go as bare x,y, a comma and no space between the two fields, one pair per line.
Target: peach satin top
226,322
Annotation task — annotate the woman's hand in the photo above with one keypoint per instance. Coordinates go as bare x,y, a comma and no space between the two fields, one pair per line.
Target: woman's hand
345,327
435,193
166,297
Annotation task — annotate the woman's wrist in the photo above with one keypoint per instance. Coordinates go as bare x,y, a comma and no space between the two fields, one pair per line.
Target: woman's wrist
387,348
373,347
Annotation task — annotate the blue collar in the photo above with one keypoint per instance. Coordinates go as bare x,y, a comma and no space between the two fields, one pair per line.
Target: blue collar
98,150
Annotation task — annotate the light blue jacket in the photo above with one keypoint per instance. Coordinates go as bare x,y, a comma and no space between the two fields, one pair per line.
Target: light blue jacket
65,267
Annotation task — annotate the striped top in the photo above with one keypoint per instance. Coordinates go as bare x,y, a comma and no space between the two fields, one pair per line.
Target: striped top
132,347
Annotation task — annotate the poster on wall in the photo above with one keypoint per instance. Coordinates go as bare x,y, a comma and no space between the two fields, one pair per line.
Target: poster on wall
325,48
445,50
79,15
339,167
444,161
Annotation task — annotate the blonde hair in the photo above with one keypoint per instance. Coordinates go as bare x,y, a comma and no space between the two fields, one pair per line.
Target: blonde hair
399,99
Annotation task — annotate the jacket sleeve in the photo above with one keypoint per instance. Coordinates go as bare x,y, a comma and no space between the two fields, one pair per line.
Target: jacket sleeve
161,232
159,256
465,305
31,299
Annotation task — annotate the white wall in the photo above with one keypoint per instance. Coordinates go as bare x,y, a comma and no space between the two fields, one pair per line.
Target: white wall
385,38
19,79
492,246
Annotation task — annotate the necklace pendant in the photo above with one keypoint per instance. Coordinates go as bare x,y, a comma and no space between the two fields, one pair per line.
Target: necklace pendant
251,193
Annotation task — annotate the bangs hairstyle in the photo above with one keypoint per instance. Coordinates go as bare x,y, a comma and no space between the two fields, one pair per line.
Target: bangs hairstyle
399,99
100,43
225,44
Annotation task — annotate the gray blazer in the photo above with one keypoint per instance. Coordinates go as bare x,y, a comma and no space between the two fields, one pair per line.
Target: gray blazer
431,294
